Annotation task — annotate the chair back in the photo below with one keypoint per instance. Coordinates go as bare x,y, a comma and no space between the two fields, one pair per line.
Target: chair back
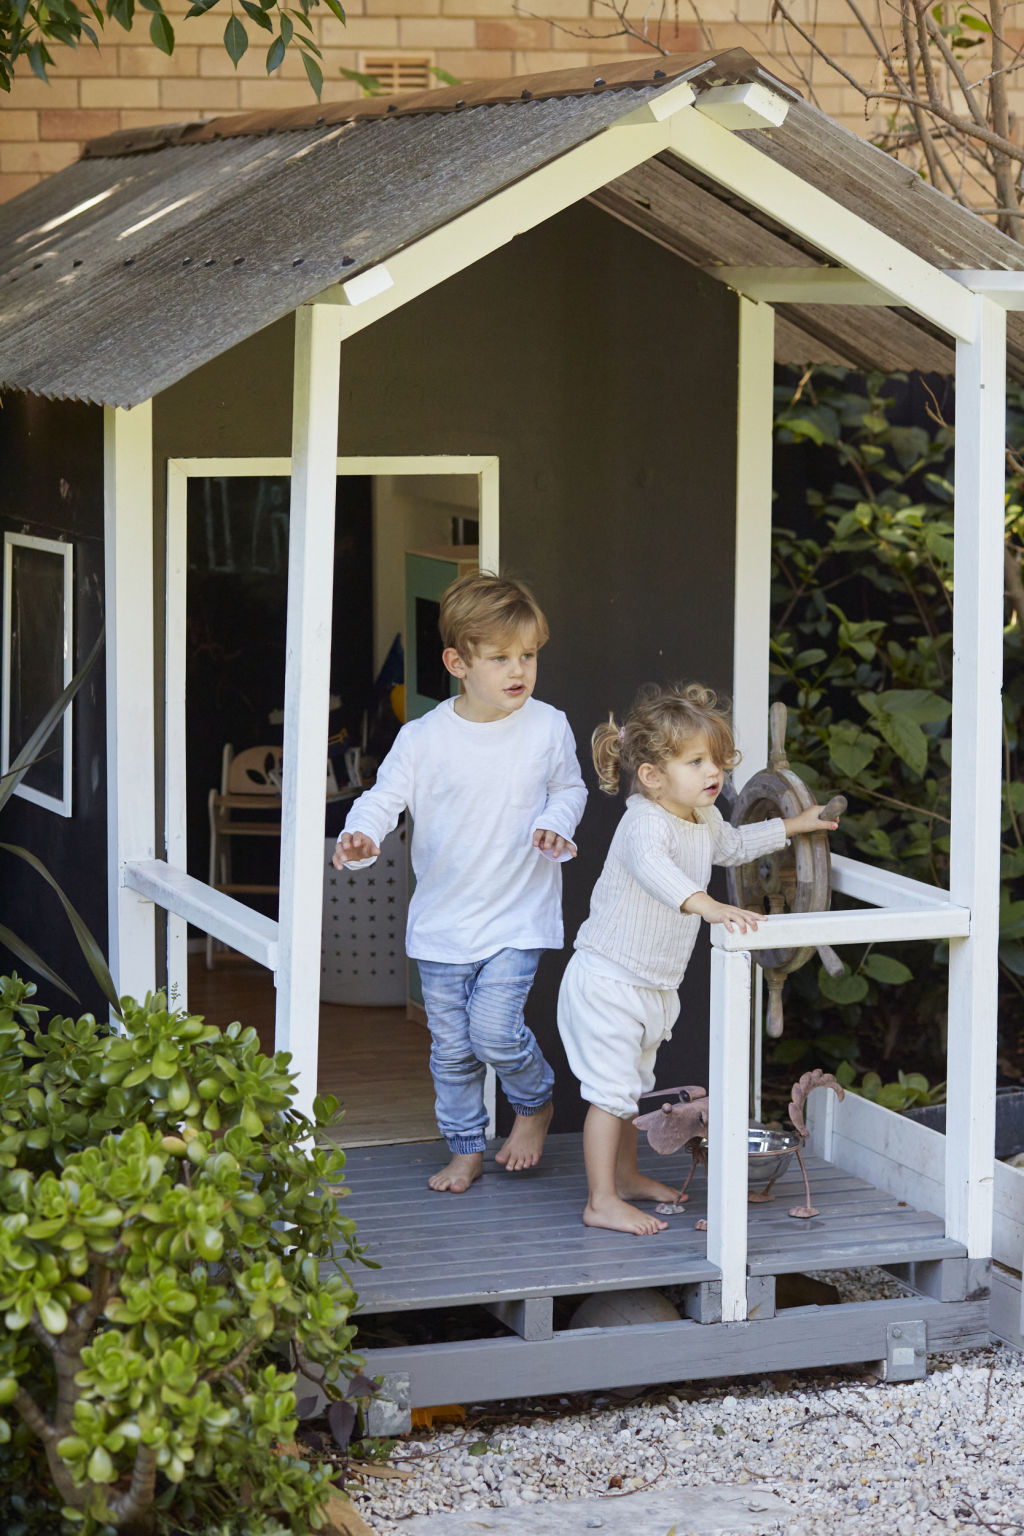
256,771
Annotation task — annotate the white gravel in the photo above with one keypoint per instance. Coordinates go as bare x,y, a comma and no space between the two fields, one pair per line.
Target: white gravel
850,1454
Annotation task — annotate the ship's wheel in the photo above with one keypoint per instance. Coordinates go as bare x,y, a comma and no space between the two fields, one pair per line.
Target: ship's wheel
796,878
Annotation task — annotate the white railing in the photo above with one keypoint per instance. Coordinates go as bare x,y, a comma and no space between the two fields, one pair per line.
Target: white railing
917,912
213,911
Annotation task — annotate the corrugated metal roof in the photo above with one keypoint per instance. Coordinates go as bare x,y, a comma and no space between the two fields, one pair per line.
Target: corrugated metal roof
159,251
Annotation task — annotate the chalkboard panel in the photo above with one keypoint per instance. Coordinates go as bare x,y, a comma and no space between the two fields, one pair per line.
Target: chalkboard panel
37,661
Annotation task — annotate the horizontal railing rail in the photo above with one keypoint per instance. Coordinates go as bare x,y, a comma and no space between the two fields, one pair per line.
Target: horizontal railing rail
214,912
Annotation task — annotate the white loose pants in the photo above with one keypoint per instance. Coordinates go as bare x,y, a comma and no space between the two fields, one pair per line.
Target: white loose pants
611,1030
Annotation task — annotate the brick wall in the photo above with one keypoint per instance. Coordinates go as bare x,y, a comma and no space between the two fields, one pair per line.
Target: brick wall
128,83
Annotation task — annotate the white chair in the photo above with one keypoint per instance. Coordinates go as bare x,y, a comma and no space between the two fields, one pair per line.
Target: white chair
249,781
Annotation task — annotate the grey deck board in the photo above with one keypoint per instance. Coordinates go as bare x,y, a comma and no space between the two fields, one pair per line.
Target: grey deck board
519,1235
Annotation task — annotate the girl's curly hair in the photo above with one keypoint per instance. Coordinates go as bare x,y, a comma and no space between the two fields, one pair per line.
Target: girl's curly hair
659,724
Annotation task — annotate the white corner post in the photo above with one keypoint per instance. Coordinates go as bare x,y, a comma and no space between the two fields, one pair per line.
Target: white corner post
980,488
755,410
131,765
728,1088
315,392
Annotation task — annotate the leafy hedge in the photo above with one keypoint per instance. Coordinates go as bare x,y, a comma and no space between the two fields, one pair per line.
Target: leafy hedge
172,1253
862,655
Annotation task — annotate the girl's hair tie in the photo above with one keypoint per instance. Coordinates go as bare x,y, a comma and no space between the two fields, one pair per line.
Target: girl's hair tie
622,733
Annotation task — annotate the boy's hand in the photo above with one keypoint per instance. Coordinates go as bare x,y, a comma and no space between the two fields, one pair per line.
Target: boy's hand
552,844
713,911
809,821
353,846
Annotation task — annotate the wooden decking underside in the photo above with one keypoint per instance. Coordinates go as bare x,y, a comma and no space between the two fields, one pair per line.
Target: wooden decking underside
520,1235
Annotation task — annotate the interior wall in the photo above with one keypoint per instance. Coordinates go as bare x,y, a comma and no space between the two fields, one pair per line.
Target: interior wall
409,512
52,488
602,372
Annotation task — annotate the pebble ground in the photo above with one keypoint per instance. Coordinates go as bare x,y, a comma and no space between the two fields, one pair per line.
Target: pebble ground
854,1456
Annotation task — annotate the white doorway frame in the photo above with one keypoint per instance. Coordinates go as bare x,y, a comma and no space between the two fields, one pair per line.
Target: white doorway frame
185,898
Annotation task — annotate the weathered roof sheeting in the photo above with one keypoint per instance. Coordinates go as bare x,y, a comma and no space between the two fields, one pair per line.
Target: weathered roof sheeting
163,248
194,248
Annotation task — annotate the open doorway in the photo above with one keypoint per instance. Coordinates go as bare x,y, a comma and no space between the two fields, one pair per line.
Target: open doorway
226,604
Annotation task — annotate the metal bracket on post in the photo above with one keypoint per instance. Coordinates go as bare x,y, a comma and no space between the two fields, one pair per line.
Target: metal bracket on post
390,1411
906,1352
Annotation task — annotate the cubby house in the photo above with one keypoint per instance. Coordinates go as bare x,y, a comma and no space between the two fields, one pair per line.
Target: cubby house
569,293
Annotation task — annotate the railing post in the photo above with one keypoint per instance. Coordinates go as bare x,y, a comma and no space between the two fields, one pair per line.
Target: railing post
980,490
729,1089
131,766
307,686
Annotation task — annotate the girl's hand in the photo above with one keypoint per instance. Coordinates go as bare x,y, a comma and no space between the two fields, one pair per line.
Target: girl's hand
713,911
353,846
809,821
552,844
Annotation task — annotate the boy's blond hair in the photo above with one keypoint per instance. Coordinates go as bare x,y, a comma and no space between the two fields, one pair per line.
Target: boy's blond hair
484,609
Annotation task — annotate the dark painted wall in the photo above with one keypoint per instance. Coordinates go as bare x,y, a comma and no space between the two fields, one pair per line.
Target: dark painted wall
602,371
52,487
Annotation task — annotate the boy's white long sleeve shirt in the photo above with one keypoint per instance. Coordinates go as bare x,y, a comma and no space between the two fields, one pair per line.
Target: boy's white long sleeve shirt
477,792
655,862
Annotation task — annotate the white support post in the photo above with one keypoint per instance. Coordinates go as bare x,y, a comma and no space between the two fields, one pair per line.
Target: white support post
752,601
976,774
315,392
131,778
175,723
729,1087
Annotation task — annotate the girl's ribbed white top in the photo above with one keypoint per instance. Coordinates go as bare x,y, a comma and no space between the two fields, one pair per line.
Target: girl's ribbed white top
656,860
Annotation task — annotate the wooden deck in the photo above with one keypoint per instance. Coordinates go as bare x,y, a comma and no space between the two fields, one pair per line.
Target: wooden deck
520,1235
514,1242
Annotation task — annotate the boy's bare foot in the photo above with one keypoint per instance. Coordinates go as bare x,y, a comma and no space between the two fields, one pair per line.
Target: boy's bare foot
459,1174
526,1140
640,1187
618,1216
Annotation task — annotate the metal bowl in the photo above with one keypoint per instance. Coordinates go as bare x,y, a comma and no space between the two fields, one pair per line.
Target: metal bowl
768,1152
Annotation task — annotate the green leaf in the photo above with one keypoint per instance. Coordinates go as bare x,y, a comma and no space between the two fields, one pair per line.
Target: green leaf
906,739
368,84
275,55
336,9
1011,954
257,14
27,955
976,23
86,942
885,968
919,704
236,40
287,30
439,74
479,1448
161,34
200,8
789,1051
842,989
314,74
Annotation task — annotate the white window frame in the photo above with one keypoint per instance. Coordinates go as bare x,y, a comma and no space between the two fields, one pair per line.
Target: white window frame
65,552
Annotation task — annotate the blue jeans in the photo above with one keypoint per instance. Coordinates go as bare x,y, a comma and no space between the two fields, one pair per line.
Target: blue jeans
475,1014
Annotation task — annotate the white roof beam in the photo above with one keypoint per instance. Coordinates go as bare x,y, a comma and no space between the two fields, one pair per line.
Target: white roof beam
800,285
738,107
517,208
816,217
1004,288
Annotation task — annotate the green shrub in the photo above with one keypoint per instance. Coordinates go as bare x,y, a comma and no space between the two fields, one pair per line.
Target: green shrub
169,1241
862,655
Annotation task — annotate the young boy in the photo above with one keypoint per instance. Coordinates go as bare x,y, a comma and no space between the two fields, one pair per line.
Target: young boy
494,787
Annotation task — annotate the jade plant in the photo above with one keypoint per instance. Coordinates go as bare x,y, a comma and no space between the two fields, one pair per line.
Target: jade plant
172,1256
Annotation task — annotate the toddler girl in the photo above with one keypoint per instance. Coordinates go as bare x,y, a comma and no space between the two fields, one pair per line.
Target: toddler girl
619,997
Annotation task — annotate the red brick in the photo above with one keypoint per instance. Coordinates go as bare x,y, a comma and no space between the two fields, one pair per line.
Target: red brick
77,125
513,34
674,36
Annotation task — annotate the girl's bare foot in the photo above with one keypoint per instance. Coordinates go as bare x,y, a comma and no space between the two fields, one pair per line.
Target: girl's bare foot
618,1216
459,1174
639,1187
526,1140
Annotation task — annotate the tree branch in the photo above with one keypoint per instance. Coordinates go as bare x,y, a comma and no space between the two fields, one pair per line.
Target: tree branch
138,1496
